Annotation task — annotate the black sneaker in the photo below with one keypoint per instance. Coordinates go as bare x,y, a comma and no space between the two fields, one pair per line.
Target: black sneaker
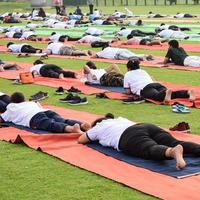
135,99
68,98
74,90
60,91
78,101
39,96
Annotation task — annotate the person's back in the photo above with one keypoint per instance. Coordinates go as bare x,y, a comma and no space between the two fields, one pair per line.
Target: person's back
136,80
176,55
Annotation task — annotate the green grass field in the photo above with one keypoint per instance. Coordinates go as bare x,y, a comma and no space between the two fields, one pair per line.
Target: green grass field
26,174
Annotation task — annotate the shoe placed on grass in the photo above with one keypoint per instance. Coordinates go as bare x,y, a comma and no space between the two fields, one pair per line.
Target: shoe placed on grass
78,101
74,90
180,108
17,82
68,98
101,96
182,126
39,96
60,91
136,99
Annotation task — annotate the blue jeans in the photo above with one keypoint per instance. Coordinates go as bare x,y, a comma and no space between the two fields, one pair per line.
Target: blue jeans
51,122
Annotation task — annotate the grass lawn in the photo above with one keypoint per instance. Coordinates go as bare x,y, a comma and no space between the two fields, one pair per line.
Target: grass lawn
28,174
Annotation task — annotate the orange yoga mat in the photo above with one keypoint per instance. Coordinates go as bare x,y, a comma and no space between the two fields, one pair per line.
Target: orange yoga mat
66,148
153,63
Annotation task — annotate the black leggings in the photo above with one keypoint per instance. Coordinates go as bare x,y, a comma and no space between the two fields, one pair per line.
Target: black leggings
141,33
29,49
4,101
157,92
53,71
151,142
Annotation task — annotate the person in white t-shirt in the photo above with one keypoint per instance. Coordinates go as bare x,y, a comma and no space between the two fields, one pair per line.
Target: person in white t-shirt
90,39
139,82
32,26
33,115
6,66
124,32
4,101
22,48
40,68
183,15
128,12
13,34
94,31
120,54
59,48
56,37
30,35
142,140
109,76
154,15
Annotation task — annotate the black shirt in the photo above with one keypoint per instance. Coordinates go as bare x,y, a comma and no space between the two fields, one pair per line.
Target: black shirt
176,55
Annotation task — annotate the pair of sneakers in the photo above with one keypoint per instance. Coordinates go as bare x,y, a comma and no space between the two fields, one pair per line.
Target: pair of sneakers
134,99
182,126
180,108
39,96
74,100
61,91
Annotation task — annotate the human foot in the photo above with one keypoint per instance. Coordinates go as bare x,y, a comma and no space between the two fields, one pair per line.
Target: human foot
168,96
177,154
191,95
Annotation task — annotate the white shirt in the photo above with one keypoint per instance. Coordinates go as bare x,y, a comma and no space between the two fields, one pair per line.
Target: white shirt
90,39
117,14
27,34
98,22
36,68
164,27
94,31
1,93
55,37
108,132
136,80
152,15
180,15
108,53
10,34
59,25
166,33
21,113
98,73
55,47
16,48
33,26
124,32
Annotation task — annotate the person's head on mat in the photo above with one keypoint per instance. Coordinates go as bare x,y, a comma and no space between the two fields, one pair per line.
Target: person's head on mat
53,33
62,38
133,65
37,62
17,97
10,43
91,65
142,140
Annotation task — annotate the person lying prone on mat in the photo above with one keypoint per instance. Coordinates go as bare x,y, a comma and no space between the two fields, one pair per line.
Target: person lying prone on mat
6,66
142,140
138,81
4,101
178,56
33,115
40,68
110,76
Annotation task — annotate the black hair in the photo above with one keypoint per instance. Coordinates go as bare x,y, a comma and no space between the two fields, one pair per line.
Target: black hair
133,64
150,12
28,22
17,97
107,116
9,43
173,43
38,62
162,24
122,28
50,43
91,65
105,45
139,22
62,38
53,33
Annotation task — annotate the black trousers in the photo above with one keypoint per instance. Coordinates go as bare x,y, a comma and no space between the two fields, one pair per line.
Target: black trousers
4,101
91,6
53,71
157,92
141,33
57,10
151,142
29,49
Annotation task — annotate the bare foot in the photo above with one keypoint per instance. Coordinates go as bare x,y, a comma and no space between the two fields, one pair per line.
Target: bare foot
168,96
191,95
177,154
61,76
76,129
85,126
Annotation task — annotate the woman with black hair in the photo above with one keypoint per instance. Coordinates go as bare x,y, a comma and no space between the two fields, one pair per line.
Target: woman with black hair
4,101
178,56
138,81
142,140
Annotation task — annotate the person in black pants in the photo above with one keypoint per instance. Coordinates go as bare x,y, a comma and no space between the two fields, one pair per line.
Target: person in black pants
138,81
4,101
50,70
141,140
140,34
91,5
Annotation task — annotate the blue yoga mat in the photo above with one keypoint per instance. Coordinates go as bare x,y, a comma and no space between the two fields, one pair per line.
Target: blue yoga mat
166,167
112,89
